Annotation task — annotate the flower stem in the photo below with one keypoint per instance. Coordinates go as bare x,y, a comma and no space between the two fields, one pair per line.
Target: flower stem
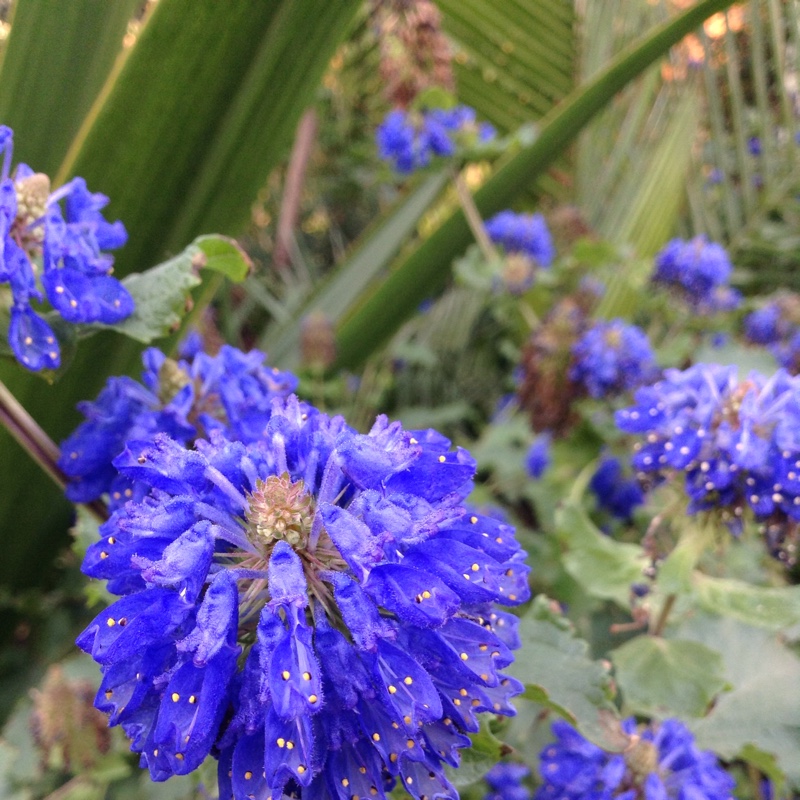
474,218
661,622
37,444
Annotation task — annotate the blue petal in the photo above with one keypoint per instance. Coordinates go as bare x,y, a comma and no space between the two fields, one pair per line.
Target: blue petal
32,340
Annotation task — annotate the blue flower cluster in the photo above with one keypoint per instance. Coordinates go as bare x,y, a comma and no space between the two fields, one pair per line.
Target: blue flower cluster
661,763
777,326
231,392
736,442
699,270
526,234
537,459
409,140
316,608
506,782
615,493
44,249
611,358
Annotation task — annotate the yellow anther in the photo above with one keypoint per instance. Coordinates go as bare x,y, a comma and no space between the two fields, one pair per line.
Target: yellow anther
409,743
409,780
473,520
475,567
482,647
426,594
111,622
109,692
456,701
392,689
407,719
306,676
464,656
111,540
442,459
312,698
179,756
285,674
412,440
476,702
281,742
408,680
376,737
103,554
192,699
300,769
290,745
345,782
248,775
362,770
155,752
393,757
175,697
484,676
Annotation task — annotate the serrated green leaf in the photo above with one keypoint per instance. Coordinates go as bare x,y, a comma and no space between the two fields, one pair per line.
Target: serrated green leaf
663,678
773,608
604,567
477,760
762,708
558,673
161,292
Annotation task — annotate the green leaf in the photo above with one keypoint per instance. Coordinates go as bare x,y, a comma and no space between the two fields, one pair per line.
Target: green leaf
766,763
762,709
204,107
675,574
57,59
558,673
427,268
662,678
604,567
773,608
477,760
161,292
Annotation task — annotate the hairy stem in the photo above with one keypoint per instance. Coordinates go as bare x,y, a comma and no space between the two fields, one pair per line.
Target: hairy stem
37,444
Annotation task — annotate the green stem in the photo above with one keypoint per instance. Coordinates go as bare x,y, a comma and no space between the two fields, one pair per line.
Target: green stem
37,444
661,622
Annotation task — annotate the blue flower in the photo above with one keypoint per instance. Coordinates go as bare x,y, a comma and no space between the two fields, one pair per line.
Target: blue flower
615,493
231,392
316,609
699,270
506,782
522,233
661,763
736,444
612,357
754,146
409,140
537,459
764,325
42,253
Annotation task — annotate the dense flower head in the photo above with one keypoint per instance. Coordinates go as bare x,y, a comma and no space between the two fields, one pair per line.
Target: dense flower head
735,442
316,608
188,398
699,270
506,780
777,326
410,140
617,494
57,254
611,358
662,762
526,234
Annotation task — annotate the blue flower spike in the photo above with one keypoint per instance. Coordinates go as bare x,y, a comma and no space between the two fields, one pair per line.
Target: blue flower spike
661,762
314,607
43,254
733,443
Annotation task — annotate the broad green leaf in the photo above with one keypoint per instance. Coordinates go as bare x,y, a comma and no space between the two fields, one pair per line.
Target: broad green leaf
675,574
664,678
762,708
161,293
477,760
605,568
427,268
745,358
774,608
56,60
205,105
558,673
